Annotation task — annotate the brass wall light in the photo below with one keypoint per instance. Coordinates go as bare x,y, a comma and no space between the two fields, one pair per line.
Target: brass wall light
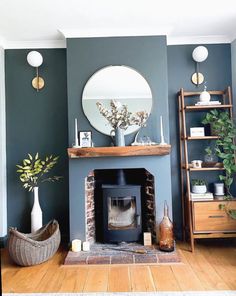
35,59
200,54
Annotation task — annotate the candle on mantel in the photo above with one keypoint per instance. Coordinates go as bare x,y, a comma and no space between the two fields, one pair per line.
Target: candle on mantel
76,245
76,133
86,246
162,134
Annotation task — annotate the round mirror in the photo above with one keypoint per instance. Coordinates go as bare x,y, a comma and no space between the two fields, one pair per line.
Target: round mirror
121,84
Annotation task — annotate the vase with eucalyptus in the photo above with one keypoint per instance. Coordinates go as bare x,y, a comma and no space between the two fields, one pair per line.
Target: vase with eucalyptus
120,119
33,171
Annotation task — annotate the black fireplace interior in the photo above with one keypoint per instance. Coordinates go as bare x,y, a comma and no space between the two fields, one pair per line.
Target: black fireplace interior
120,205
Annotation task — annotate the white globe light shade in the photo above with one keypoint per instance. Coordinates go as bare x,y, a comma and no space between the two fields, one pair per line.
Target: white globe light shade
34,58
200,54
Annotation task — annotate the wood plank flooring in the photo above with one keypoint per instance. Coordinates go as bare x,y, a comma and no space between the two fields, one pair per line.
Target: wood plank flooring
211,267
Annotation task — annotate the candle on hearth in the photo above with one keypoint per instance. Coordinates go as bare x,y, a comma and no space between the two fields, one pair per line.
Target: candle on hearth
76,245
76,133
86,246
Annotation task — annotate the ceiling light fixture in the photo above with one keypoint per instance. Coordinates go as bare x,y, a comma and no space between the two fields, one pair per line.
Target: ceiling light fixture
35,59
200,54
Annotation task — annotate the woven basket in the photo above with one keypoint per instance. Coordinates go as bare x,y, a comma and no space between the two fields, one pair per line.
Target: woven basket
34,248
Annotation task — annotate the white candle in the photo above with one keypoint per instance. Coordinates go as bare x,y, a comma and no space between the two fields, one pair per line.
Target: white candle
161,127
86,246
76,133
76,245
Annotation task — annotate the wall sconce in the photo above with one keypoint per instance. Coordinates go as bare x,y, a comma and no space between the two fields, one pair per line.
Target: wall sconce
35,59
199,55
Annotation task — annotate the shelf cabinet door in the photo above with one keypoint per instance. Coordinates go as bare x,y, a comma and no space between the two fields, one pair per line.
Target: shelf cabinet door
207,217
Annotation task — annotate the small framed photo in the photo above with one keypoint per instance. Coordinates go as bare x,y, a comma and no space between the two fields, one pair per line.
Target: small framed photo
85,139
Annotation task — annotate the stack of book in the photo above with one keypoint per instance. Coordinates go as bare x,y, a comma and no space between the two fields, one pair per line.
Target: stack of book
201,196
208,103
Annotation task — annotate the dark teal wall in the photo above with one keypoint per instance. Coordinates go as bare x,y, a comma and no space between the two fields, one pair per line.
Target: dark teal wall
148,55
36,122
217,72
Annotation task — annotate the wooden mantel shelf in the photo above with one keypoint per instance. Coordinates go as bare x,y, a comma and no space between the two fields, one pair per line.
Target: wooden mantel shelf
119,151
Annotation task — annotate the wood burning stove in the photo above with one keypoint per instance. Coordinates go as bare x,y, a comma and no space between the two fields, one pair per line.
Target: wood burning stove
122,217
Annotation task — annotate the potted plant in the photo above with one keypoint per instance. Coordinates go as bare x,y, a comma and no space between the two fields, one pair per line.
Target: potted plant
199,186
33,171
210,158
225,148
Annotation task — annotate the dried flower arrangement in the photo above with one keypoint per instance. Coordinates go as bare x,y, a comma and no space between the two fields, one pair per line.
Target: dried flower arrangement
119,116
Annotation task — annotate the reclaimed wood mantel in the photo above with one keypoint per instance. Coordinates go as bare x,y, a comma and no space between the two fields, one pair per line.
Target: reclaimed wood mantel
157,150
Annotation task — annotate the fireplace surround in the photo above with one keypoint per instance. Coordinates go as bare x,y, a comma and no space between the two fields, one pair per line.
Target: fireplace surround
82,181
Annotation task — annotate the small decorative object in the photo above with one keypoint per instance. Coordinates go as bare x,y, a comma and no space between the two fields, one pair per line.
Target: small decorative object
147,239
210,157
76,145
166,239
219,189
205,96
85,139
76,245
120,119
31,175
197,131
34,248
86,246
198,186
162,133
196,163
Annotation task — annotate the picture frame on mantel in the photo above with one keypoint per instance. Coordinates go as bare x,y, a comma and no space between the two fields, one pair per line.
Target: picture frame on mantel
85,139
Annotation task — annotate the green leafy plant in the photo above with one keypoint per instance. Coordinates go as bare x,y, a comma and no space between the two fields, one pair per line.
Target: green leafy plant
198,182
33,170
226,208
225,148
209,150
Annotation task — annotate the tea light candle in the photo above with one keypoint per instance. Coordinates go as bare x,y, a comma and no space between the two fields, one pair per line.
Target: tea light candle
86,246
76,245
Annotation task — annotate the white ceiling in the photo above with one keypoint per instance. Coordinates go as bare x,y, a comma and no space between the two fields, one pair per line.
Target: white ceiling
46,23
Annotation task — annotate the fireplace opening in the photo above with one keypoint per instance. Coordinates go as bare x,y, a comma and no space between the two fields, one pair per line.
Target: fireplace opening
124,206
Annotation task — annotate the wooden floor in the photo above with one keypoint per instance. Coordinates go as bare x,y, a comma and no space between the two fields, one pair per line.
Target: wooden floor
211,267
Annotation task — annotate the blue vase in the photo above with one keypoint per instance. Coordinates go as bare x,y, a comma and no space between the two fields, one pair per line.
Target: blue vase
119,137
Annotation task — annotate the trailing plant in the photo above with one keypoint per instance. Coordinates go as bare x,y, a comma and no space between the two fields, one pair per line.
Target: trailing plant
119,116
33,170
198,182
225,148
226,208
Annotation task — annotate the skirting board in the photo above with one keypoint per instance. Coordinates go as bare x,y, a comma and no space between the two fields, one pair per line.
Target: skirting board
182,293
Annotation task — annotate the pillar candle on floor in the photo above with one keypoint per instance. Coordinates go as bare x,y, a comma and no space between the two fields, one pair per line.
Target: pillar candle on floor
76,245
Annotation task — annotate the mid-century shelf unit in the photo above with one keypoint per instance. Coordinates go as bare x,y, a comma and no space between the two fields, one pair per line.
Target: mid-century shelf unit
201,219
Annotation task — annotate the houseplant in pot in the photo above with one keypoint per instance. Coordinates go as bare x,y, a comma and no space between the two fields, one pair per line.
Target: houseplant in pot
32,172
210,157
225,148
198,186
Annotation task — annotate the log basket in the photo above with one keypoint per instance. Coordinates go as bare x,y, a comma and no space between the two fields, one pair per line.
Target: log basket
34,248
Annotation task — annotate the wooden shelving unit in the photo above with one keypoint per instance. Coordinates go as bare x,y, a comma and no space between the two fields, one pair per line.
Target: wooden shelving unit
201,219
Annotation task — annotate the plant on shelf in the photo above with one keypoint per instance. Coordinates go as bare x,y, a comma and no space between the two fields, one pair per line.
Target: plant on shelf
210,157
225,148
32,172
199,186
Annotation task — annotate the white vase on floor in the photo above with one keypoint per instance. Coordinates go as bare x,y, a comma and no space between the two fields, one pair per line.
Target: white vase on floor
36,213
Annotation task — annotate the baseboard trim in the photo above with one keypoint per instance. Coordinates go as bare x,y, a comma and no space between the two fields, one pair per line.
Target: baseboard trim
3,241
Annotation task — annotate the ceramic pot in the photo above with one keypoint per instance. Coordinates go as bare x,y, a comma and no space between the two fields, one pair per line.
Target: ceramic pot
36,213
119,137
199,189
